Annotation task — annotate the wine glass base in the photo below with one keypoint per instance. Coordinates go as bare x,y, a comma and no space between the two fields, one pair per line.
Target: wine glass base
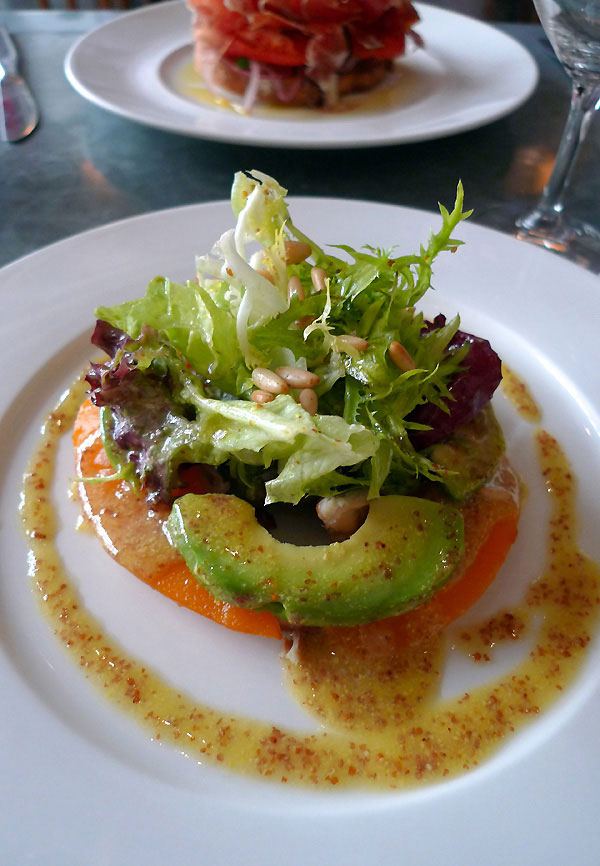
573,239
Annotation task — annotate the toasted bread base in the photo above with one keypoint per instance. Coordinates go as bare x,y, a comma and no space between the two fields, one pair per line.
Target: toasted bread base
295,89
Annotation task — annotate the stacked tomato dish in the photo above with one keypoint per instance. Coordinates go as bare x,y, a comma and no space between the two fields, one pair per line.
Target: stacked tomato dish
299,52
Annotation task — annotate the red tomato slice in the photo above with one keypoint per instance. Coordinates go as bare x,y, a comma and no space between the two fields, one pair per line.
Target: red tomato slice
215,15
269,46
385,39
327,12
318,11
279,31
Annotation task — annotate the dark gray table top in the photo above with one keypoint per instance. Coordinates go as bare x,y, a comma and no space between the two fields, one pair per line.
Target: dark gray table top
85,166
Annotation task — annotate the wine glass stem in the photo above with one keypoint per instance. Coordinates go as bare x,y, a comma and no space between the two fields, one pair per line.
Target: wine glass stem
583,102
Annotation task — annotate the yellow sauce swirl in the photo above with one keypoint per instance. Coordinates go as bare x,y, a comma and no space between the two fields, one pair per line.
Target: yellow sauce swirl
385,724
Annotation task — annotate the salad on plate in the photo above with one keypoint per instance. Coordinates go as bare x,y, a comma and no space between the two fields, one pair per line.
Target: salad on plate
288,445
284,382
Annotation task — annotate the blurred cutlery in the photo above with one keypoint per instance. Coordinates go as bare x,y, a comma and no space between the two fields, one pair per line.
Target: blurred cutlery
18,111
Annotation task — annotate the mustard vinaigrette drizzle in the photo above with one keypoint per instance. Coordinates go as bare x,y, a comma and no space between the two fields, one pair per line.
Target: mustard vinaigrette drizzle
392,93
385,725
520,396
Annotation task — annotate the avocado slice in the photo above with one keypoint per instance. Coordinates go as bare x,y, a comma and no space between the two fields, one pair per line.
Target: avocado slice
471,454
404,551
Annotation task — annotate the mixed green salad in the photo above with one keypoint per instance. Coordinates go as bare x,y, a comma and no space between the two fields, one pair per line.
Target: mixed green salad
285,373
178,388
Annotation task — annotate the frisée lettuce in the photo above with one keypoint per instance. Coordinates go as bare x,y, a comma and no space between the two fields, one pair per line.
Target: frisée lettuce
178,386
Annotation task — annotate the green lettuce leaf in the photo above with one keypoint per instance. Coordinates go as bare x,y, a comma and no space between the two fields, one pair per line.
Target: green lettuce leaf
189,320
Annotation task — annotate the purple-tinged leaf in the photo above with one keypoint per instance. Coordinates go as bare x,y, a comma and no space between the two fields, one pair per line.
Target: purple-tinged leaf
471,389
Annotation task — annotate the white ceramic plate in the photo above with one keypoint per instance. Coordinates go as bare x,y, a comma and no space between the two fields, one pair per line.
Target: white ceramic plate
468,74
81,783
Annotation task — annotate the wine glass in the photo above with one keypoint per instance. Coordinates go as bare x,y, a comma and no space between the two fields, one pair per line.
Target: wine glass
573,28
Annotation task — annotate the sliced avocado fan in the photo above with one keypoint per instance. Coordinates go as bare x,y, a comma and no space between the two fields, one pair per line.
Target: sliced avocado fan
405,550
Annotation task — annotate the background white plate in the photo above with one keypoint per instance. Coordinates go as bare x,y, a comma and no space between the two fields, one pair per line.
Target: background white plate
82,784
468,74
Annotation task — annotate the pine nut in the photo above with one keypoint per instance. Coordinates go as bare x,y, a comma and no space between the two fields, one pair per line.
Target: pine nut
295,289
296,252
297,378
343,514
261,397
267,380
355,342
318,277
400,357
304,322
308,400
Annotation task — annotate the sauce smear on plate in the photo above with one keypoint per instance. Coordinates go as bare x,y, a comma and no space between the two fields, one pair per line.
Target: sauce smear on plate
401,87
385,724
